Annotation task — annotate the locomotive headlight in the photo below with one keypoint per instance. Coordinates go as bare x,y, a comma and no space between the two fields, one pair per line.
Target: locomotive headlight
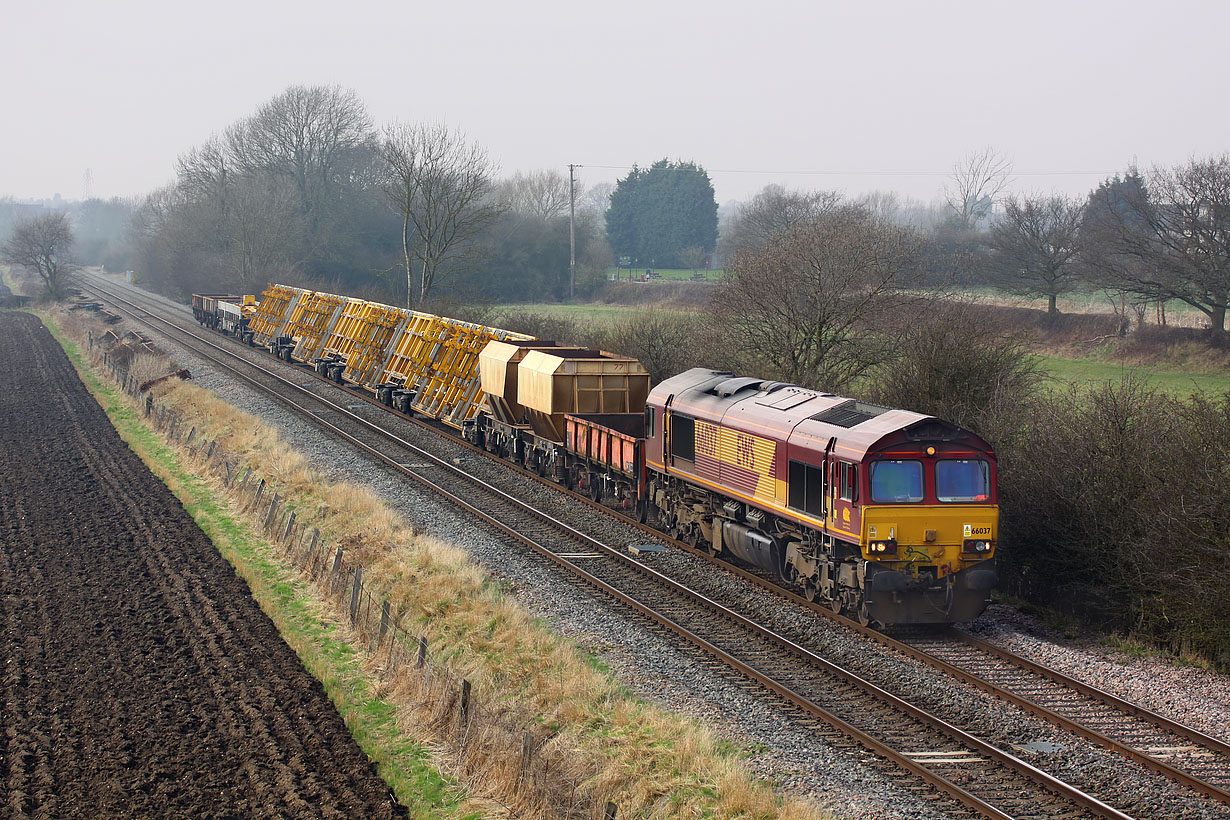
978,545
888,547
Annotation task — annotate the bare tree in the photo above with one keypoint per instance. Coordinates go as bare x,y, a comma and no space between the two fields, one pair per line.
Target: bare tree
883,204
977,181
440,184
540,194
1168,237
312,136
43,245
1035,246
803,307
773,212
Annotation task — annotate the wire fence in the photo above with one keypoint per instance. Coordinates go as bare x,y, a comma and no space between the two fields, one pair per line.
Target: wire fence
511,758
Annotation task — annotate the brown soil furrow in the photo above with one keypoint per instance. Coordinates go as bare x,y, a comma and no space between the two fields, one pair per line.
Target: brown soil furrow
140,678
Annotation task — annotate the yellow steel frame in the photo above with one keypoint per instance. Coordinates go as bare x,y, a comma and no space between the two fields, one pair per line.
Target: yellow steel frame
271,311
361,335
438,358
309,322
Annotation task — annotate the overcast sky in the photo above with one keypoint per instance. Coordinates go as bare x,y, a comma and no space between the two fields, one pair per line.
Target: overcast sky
856,96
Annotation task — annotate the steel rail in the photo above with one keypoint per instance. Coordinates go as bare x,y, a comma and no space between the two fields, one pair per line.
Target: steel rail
1005,759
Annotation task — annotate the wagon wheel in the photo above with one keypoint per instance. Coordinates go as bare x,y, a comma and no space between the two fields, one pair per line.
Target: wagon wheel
642,511
595,487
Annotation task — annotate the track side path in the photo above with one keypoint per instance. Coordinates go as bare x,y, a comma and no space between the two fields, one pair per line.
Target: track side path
139,677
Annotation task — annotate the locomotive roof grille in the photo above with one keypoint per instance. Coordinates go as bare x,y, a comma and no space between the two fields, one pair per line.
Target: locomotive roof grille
850,413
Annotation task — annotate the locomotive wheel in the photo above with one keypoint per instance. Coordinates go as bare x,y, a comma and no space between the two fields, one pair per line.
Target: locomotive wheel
810,591
836,603
863,616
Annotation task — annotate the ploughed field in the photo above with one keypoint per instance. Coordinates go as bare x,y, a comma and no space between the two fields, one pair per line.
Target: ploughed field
138,678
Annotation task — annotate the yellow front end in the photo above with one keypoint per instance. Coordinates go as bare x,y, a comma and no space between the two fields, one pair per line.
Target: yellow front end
929,535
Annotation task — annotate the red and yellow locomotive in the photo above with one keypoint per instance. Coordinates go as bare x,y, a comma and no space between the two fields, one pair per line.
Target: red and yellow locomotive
887,514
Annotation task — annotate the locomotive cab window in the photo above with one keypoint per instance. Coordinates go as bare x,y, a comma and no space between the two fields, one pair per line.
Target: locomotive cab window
896,482
849,482
806,488
649,416
683,437
962,480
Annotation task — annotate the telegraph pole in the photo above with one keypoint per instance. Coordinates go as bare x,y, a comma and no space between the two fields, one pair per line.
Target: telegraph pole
572,233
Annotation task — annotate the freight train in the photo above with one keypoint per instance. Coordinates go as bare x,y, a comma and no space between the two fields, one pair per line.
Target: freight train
887,515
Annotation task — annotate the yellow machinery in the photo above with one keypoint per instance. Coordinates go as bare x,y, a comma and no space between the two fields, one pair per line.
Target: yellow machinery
276,305
437,358
311,322
430,361
361,334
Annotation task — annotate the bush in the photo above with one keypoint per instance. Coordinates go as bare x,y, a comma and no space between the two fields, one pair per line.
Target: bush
663,340
543,326
1114,505
954,362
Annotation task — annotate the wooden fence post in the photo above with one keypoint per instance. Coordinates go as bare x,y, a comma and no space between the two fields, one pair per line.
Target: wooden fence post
273,510
256,500
290,525
527,756
610,812
421,661
384,621
337,566
311,553
210,454
354,594
463,706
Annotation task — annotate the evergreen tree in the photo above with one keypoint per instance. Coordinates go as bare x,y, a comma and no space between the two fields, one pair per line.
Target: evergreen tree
657,212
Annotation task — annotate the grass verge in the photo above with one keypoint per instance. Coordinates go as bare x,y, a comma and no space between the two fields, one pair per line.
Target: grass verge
324,651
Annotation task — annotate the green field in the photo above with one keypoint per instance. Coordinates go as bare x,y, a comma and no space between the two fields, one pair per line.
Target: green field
1097,371
590,312
665,274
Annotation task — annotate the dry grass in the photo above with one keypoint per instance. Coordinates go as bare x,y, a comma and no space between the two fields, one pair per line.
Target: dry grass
651,763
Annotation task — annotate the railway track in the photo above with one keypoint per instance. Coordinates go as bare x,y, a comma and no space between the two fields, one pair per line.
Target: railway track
980,776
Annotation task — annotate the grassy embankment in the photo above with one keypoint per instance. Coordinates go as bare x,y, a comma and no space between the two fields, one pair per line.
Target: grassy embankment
651,763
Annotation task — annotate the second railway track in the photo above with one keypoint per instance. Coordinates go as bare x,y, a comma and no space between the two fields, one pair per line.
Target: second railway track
933,750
